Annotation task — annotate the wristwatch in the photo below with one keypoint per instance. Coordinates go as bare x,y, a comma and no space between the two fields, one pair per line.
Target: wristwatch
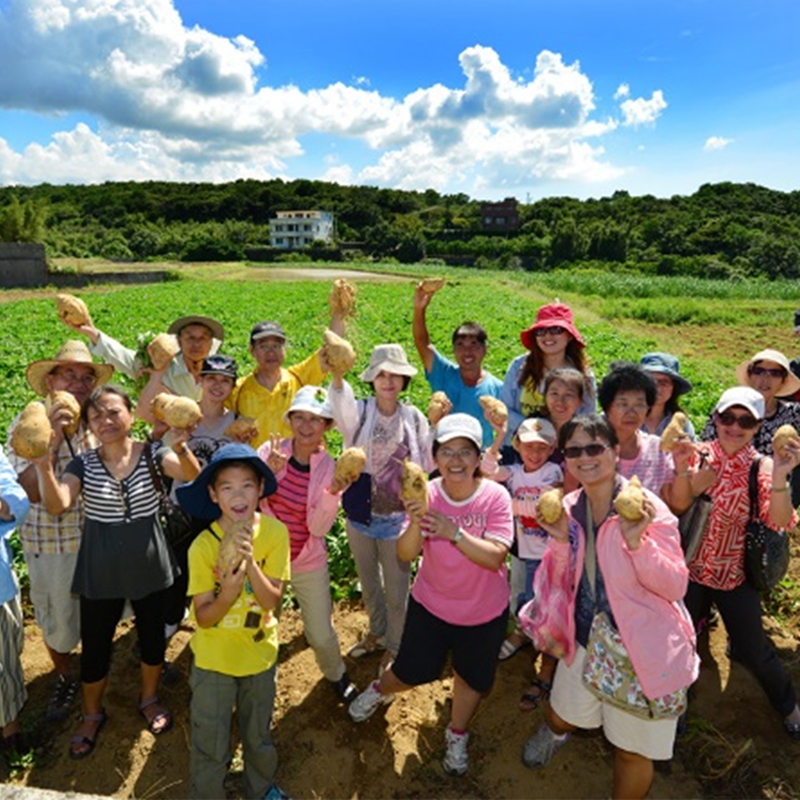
457,537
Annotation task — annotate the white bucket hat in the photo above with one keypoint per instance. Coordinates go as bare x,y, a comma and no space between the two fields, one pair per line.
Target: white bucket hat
387,358
313,399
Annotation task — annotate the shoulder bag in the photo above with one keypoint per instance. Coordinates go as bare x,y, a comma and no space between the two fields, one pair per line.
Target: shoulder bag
766,551
176,523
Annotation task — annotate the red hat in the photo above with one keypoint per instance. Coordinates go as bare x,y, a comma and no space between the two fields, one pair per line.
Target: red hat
549,316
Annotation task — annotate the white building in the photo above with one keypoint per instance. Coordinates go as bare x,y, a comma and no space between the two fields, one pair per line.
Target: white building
293,229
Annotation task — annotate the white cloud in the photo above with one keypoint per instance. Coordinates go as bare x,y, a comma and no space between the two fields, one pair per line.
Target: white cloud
167,102
716,143
623,90
643,112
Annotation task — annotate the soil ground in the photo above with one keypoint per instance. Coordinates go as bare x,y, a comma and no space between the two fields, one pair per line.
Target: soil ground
735,746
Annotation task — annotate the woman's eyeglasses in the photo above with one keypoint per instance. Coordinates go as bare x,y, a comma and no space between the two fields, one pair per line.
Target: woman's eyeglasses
745,421
463,453
595,449
552,330
773,372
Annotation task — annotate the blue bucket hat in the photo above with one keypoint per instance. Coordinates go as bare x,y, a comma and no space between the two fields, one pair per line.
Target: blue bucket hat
666,364
194,496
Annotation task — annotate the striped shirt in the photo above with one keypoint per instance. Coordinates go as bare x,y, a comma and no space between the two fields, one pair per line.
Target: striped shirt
108,500
43,533
290,502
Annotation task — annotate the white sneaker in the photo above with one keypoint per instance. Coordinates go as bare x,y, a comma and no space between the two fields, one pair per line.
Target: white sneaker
366,704
456,759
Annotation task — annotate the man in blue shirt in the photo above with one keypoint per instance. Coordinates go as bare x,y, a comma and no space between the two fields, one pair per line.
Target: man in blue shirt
465,380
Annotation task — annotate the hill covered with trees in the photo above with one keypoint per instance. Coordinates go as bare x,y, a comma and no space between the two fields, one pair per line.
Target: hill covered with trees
723,230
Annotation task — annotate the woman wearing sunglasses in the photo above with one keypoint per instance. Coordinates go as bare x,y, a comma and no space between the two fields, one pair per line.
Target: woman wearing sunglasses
552,342
716,571
630,576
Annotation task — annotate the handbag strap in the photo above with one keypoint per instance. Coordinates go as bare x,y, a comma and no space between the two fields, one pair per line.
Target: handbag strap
752,487
154,472
590,557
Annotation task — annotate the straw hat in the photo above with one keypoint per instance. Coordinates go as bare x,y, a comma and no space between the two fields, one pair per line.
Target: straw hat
71,352
791,383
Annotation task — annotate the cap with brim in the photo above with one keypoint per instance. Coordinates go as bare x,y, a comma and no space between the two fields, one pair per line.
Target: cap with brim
220,365
534,429
459,426
194,496
550,316
217,331
742,396
666,364
388,358
313,399
263,330
71,352
791,383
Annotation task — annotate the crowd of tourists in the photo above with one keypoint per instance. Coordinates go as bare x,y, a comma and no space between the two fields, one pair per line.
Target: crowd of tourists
609,602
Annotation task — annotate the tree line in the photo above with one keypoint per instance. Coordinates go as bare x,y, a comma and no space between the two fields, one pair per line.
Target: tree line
723,230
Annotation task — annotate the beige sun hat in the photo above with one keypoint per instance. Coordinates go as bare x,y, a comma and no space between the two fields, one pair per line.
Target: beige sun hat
71,352
387,358
791,383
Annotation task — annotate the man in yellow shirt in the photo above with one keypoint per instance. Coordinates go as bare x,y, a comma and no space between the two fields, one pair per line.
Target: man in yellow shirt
266,394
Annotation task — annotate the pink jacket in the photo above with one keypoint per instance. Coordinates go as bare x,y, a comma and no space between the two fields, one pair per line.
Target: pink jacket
645,589
321,509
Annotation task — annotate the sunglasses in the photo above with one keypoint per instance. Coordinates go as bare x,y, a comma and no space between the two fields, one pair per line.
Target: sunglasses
773,372
595,449
552,330
745,422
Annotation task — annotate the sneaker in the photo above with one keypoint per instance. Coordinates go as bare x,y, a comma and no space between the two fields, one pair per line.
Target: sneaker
345,689
456,759
366,704
62,699
275,793
541,747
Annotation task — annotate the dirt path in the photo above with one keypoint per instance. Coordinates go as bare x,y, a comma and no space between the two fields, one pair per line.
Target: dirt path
398,752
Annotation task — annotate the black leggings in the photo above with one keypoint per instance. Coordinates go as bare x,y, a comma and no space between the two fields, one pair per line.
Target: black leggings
99,620
740,609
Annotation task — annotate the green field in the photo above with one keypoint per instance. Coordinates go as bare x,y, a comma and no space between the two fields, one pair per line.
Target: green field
710,325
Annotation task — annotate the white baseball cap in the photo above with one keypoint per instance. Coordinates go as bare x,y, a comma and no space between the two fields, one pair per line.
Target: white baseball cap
458,426
742,396
535,429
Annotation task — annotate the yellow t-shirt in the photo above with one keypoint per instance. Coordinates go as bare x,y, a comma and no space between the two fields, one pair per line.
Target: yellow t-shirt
245,640
251,399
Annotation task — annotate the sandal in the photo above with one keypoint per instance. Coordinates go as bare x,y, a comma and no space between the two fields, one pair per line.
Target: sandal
87,742
793,729
531,699
369,644
511,648
160,714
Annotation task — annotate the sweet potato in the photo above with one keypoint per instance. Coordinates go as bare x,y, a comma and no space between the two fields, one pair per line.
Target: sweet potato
158,405
438,406
342,298
32,433
674,432
414,484
782,436
493,409
66,400
431,285
182,413
242,429
338,353
162,350
71,309
550,507
228,556
349,465
630,501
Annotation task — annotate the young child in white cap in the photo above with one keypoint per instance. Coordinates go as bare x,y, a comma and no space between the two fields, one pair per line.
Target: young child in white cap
535,441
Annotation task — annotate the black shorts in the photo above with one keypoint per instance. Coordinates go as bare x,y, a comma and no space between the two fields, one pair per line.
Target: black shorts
427,640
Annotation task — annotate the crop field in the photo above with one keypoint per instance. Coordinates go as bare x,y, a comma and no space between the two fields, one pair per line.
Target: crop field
710,325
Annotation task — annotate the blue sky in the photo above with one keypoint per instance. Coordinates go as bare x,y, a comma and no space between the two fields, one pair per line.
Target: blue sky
520,97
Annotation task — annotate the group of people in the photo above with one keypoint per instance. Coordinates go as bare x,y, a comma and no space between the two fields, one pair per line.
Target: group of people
261,503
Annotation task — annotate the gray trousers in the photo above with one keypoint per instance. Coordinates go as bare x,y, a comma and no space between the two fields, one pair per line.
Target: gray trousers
384,584
214,697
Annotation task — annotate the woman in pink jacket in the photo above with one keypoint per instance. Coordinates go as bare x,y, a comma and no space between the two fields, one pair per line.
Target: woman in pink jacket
632,572
306,501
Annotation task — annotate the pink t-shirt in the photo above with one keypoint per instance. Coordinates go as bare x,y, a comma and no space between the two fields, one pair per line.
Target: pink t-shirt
448,584
653,466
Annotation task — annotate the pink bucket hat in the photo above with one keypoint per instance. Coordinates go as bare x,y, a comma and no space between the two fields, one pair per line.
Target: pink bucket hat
549,316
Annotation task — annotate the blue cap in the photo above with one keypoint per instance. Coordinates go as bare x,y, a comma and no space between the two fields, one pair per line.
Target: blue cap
194,496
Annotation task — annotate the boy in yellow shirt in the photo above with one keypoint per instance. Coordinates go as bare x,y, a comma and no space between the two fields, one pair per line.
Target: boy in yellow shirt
237,568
